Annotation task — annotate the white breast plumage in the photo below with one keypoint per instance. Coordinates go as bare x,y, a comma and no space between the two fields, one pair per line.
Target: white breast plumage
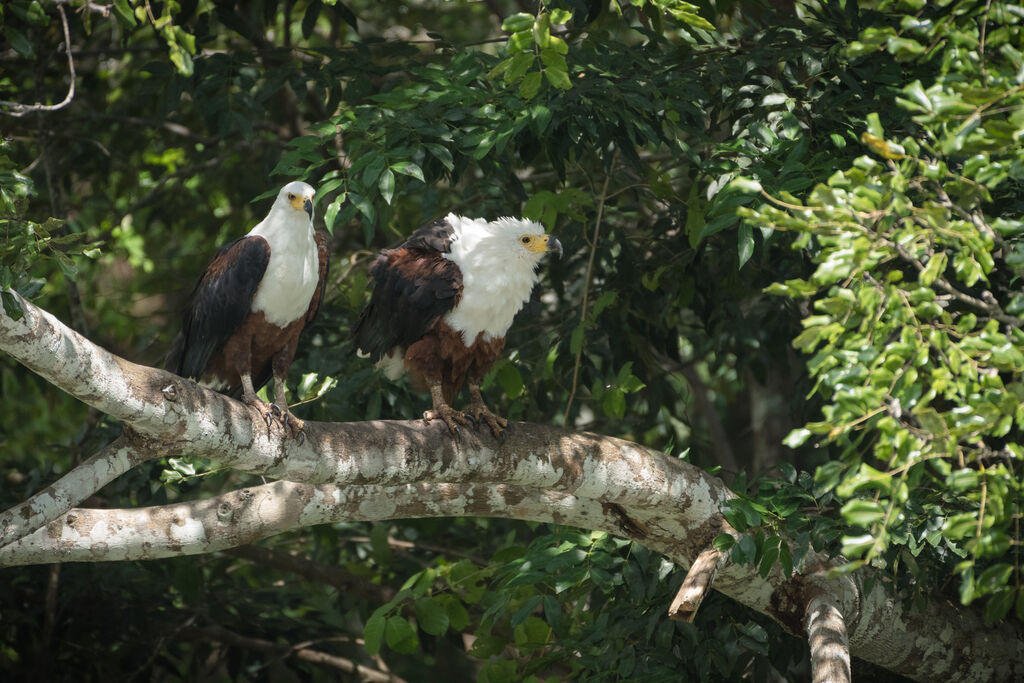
292,273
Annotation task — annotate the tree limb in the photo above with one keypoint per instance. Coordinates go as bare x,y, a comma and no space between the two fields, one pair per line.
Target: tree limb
830,648
53,501
394,469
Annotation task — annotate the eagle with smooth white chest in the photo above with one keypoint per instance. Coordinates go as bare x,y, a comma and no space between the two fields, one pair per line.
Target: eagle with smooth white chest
442,303
248,309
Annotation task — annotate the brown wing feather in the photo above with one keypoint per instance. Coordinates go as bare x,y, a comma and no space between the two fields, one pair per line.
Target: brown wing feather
324,254
414,286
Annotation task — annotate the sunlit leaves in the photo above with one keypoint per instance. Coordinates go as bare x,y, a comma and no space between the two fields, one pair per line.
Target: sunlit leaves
531,40
908,343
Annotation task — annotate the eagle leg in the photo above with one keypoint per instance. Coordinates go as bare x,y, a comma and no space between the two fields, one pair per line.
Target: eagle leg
443,411
479,411
266,410
293,424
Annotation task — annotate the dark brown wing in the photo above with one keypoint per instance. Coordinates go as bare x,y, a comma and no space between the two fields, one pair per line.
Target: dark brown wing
324,255
414,285
220,303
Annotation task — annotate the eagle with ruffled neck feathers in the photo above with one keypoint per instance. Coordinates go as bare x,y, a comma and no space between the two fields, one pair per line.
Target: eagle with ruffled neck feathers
443,302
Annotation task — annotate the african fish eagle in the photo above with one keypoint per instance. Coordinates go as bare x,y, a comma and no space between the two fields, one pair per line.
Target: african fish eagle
252,303
442,303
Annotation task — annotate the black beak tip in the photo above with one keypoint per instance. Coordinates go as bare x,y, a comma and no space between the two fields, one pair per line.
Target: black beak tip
308,206
555,246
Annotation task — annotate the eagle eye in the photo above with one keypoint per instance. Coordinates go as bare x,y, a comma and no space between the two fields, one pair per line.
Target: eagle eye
525,239
291,196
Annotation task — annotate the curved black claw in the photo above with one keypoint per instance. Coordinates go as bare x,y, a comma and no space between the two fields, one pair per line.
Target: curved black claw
503,437
292,425
452,418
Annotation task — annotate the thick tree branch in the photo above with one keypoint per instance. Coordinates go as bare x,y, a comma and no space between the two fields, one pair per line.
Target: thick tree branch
255,513
830,649
71,489
386,470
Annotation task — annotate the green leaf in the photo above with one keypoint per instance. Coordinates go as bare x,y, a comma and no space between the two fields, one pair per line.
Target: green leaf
692,19
530,85
487,646
518,66
797,437
998,606
387,185
723,542
576,340
517,22
511,380
519,42
614,403
745,185
936,266
310,17
498,671
559,79
400,635
431,616
785,559
553,60
525,610
458,617
441,153
863,513
331,215
12,306
373,632
19,42
410,169
745,246
542,30
604,301
560,16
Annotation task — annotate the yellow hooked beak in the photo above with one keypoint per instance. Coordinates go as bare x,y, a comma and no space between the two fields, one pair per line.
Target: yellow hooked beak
302,203
542,243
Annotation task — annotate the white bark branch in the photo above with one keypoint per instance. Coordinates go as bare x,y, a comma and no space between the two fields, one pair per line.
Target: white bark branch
386,470
70,490
696,585
255,513
830,648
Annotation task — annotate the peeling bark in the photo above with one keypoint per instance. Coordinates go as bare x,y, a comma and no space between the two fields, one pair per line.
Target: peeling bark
385,470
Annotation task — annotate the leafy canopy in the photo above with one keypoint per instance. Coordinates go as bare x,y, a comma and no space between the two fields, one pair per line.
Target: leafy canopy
795,225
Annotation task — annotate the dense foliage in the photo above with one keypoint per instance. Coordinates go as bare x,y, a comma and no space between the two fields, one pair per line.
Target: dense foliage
797,222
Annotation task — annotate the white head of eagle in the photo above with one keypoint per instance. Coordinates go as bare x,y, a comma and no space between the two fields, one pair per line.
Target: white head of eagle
444,300
253,301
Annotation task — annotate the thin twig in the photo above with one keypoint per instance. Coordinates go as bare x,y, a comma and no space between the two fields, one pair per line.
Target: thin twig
18,110
586,287
987,303
222,635
981,47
